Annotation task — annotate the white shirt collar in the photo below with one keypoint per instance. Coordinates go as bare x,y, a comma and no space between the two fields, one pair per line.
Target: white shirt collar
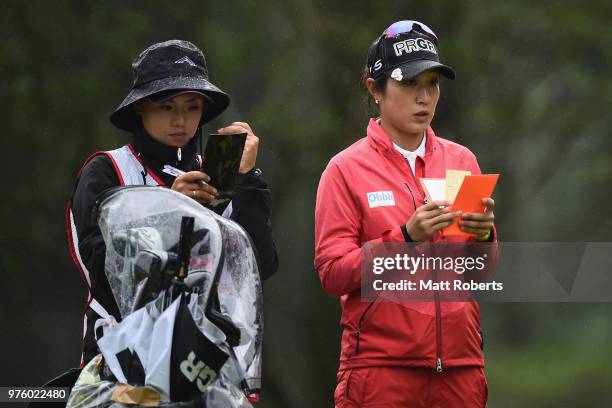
411,155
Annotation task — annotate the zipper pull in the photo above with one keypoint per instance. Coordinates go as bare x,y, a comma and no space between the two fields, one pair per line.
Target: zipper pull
439,365
179,154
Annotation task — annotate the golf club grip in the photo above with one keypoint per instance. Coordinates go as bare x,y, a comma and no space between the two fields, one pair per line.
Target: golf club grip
184,246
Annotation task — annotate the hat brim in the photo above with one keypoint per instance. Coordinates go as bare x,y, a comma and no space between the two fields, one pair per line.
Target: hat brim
415,68
126,118
164,96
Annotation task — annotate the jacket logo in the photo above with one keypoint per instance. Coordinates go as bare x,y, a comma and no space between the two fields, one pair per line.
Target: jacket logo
381,199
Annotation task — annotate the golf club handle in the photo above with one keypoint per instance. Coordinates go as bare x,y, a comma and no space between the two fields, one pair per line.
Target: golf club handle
140,294
184,246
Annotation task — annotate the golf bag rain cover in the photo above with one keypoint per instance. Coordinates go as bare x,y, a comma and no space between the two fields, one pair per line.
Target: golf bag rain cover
195,361
185,342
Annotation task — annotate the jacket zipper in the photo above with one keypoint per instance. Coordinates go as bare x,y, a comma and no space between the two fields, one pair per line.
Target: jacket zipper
436,294
438,328
358,335
414,178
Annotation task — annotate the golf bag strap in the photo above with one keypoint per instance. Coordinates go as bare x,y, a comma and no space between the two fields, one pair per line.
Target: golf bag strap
73,246
130,168
130,171
106,319
99,309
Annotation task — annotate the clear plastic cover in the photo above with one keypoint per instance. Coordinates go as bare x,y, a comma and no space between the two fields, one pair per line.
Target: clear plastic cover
134,220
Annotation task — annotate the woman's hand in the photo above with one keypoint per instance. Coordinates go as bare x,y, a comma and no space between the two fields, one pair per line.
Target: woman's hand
479,224
249,154
191,185
430,218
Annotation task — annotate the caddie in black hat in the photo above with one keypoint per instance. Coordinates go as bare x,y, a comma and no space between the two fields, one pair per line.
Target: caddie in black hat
415,351
171,97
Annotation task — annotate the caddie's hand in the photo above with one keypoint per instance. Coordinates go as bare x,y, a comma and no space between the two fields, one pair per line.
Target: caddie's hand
188,184
430,218
479,224
249,154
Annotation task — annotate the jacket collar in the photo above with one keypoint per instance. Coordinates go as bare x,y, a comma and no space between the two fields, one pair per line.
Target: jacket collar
155,154
381,141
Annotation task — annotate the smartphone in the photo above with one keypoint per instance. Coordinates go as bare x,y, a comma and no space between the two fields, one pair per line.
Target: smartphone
222,162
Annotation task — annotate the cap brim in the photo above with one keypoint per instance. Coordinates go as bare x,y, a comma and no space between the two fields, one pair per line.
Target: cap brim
415,68
126,118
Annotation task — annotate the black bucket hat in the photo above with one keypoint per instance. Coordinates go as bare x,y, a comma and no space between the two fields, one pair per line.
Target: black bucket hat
164,70
404,50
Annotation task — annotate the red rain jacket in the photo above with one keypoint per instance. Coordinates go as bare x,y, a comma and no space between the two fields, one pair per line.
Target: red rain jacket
428,334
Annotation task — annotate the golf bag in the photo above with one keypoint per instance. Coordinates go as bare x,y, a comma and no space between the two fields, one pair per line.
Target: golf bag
189,293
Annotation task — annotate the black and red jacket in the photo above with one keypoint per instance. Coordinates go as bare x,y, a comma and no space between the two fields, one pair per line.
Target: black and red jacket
251,208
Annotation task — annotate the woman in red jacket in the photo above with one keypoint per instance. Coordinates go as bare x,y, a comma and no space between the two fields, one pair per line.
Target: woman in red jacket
419,354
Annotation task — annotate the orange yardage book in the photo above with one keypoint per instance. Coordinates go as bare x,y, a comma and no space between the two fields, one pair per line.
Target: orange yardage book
469,199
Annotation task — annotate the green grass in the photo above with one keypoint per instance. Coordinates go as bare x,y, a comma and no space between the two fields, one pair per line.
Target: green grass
570,368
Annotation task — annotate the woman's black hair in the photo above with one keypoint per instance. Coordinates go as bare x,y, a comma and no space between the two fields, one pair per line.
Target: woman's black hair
380,84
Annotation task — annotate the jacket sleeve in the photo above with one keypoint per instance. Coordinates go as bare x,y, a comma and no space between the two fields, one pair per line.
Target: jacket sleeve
97,176
252,209
337,234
